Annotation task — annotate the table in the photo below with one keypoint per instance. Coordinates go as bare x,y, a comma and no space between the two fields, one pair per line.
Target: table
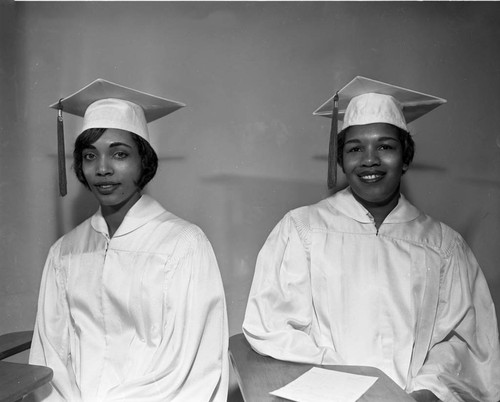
14,342
257,375
18,380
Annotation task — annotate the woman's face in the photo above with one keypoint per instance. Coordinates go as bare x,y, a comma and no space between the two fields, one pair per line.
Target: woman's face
373,163
112,168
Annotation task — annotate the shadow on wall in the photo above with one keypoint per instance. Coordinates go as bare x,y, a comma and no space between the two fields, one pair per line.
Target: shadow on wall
249,207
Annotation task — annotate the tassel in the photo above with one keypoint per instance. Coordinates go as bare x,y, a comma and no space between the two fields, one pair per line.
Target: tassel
61,156
332,149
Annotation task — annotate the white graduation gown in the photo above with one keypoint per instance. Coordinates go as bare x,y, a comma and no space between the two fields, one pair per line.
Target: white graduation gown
409,299
139,317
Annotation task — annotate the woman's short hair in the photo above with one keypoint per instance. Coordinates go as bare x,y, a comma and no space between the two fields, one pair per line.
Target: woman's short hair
149,159
406,140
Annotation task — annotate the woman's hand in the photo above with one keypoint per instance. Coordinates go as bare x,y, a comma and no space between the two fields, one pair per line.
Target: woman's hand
424,395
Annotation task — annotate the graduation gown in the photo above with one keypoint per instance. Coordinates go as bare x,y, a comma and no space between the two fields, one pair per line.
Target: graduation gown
137,317
409,298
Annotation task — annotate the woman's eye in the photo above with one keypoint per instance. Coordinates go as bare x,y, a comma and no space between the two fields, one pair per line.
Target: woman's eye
385,147
120,155
353,149
88,157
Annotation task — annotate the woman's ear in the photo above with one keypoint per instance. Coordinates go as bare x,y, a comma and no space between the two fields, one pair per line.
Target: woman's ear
405,167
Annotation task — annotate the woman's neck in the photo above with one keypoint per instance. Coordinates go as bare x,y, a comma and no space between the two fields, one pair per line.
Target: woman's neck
379,211
114,214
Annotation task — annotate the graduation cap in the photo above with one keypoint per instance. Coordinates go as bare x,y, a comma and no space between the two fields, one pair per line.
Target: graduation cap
365,101
104,104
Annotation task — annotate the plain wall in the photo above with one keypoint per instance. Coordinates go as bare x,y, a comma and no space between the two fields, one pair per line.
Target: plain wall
246,149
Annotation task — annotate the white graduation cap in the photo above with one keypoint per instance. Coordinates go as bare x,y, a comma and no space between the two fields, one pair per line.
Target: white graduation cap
104,104
365,101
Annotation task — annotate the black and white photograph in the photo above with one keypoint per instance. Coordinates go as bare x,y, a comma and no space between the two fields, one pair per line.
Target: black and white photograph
249,201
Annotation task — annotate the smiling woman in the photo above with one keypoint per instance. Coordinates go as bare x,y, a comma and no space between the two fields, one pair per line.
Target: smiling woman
373,165
365,278
118,291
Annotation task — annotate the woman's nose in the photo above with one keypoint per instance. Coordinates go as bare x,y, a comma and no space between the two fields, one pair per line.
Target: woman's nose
371,158
104,167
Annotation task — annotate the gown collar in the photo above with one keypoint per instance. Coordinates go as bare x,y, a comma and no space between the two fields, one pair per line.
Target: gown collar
143,211
345,202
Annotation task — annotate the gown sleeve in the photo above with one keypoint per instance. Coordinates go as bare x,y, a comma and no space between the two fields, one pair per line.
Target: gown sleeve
50,344
279,313
463,362
191,362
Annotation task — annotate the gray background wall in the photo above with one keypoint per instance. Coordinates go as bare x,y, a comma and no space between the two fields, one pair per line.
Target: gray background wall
246,148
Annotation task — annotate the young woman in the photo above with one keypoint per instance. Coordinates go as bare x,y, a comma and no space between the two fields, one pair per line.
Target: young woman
365,278
131,305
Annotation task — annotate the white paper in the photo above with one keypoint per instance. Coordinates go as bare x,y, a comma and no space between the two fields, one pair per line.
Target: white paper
321,385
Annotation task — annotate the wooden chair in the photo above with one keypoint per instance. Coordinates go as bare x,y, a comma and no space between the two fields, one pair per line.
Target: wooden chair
19,380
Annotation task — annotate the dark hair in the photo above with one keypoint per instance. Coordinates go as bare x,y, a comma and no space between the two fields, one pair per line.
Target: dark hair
149,159
407,145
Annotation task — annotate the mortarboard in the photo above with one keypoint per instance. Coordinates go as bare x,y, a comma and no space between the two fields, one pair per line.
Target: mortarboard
366,101
104,104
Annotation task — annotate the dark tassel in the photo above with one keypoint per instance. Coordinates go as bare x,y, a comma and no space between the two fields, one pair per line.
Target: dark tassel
332,150
61,156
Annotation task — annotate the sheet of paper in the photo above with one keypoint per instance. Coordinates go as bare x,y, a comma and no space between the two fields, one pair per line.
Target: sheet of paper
321,385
